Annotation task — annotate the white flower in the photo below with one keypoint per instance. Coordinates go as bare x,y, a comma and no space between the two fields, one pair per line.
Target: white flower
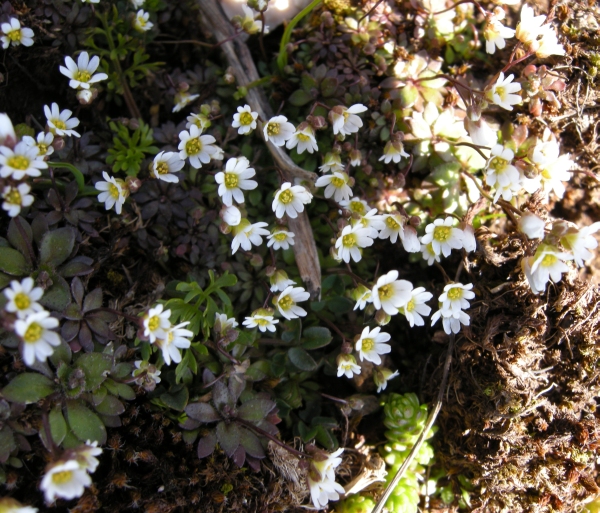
82,73
286,302
442,236
200,120
156,323
455,298
468,237
347,366
495,33
244,120
355,158
183,98
16,198
381,376
234,180
345,120
64,479
249,24
113,192
137,3
60,123
38,339
548,44
280,281
10,505
390,293
303,138
290,199
85,96
580,241
375,223
231,215
532,226
12,33
141,23
321,480
336,185
23,298
278,130
149,375
371,344
393,151
246,234
351,241
43,143
362,295
176,338
451,324
165,164
356,206
530,26
21,162
502,92
7,131
548,262
332,162
223,323
280,238
502,174
416,307
429,254
197,147
86,456
394,226
262,319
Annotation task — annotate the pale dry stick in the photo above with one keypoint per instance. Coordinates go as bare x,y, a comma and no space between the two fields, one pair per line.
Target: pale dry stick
215,23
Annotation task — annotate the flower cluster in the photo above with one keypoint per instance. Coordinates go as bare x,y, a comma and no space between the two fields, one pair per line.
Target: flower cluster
82,74
452,304
321,478
158,330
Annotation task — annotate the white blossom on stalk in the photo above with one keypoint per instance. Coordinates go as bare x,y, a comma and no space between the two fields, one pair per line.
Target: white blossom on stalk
244,120
286,302
231,215
500,173
351,241
200,120
579,241
223,323
156,323
278,130
502,92
249,24
390,293
532,226
530,26
262,319
86,456
16,198
442,236
321,479
197,147
65,480
7,131
347,366
455,297
23,298
245,234
148,376
356,206
375,223
495,32
332,162
547,263
548,43
363,296
280,281
234,180
43,143
182,99
450,323
13,33
176,338
165,164
415,308
82,72
21,162
38,338
394,227
137,3
429,254
113,192
393,151
355,158
303,139
280,239
290,199
345,120
371,344
60,122
553,169
141,21
336,185
381,376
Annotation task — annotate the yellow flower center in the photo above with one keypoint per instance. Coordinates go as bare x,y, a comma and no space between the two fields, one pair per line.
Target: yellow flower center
231,180
546,174
113,190
368,344
549,260
303,137
42,148
162,168
62,477
83,76
59,123
454,293
286,196
442,233
349,240
153,322
273,129
498,164
410,306
13,197
33,333
358,207
193,146
14,35
280,236
386,291
141,22
285,302
246,118
501,91
18,162
262,322
337,182
22,301
170,337
391,223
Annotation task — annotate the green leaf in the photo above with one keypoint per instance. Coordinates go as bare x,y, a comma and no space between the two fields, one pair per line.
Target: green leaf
12,262
301,359
7,443
58,427
110,406
226,280
229,436
125,392
176,398
96,367
315,337
299,98
202,412
61,354
84,423
255,410
15,237
340,305
57,245
28,388
251,443
58,296
329,86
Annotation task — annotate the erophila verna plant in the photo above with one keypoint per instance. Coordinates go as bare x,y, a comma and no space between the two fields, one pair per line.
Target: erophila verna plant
260,260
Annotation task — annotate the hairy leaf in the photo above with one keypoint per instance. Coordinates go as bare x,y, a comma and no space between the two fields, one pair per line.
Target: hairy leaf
203,412
12,262
84,423
315,337
27,388
301,359
207,444
251,443
229,436
255,409
57,245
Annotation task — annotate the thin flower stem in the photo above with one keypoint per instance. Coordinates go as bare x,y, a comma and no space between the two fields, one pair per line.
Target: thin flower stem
60,199
479,188
335,399
476,147
268,435
370,11
450,79
333,327
512,63
453,6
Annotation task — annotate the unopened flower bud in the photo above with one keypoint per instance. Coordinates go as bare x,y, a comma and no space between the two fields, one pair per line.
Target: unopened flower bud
134,124
382,318
355,158
256,261
133,184
183,87
317,122
58,143
85,96
415,221
231,215
532,226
